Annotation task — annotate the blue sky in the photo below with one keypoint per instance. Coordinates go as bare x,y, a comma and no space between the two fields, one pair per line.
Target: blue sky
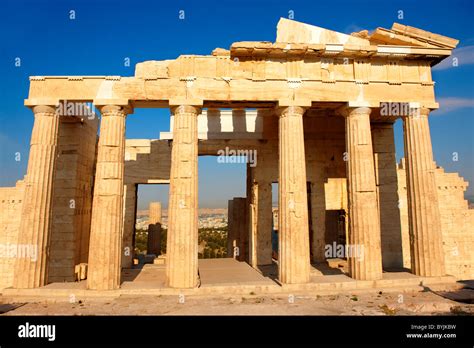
104,33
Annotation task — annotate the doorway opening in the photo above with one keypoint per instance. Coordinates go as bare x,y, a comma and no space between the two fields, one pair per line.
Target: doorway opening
335,234
151,217
220,179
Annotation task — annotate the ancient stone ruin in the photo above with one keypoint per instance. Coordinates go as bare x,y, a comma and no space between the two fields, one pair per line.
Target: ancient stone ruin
317,106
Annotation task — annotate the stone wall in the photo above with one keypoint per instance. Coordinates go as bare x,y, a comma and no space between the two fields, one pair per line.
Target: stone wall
72,198
147,161
10,213
387,194
457,222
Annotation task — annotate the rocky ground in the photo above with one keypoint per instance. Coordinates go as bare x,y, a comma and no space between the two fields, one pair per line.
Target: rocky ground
414,302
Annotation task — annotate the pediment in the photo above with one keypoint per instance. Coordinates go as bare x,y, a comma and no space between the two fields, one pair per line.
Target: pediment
290,31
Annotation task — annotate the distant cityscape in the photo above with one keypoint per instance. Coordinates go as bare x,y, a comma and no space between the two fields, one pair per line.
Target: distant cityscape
208,218
217,218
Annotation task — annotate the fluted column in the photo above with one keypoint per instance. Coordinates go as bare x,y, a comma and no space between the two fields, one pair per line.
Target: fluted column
318,211
231,236
364,245
107,206
260,221
264,223
182,238
130,212
154,228
294,262
252,199
35,227
427,258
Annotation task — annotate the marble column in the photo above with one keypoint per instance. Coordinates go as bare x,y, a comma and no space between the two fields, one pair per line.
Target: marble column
364,245
294,259
260,220
35,227
130,211
231,238
253,219
245,235
318,212
426,249
240,208
107,207
264,223
154,229
182,238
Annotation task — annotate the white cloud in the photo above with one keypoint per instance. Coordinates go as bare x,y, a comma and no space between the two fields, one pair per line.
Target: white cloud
450,104
464,55
352,28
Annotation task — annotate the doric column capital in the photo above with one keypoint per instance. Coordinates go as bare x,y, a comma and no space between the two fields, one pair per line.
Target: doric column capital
419,112
123,110
113,105
290,110
425,111
183,109
44,109
347,111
